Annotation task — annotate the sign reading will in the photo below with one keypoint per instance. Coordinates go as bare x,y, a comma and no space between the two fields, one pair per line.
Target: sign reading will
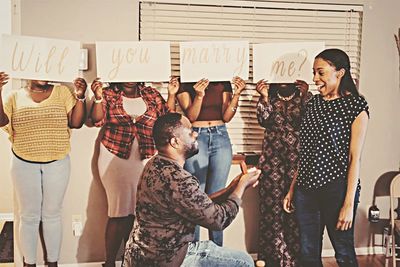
37,58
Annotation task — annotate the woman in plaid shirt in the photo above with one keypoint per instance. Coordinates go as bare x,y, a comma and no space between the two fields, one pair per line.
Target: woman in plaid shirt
127,112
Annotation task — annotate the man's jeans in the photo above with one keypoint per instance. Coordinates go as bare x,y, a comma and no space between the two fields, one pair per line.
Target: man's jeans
316,209
211,165
208,254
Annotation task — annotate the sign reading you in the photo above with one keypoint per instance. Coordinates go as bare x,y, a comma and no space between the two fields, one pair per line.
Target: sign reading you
214,60
38,58
285,62
143,61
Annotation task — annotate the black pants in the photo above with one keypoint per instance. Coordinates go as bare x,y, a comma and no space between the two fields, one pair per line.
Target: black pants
317,209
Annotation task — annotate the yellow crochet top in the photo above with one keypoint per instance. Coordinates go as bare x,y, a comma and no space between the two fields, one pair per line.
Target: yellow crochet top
39,131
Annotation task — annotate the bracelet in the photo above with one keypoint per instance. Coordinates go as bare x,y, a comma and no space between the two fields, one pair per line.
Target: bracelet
81,99
98,101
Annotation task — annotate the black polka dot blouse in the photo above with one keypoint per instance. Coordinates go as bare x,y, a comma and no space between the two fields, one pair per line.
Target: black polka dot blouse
325,139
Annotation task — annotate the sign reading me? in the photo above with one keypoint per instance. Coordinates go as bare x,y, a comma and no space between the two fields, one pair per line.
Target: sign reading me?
39,58
214,60
285,62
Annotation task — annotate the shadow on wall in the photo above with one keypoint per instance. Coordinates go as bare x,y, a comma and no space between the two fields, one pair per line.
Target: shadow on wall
251,214
91,244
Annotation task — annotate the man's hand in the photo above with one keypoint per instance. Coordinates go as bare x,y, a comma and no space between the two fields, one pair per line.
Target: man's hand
250,178
237,186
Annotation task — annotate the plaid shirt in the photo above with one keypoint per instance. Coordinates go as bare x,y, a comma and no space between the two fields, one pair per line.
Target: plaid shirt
119,128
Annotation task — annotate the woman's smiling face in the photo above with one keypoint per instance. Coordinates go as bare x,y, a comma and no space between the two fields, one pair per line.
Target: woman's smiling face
327,78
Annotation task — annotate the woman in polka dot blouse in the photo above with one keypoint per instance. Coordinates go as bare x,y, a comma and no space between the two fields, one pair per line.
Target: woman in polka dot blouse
327,185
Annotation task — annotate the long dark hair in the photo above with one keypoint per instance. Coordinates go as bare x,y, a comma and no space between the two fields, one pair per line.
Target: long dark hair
340,60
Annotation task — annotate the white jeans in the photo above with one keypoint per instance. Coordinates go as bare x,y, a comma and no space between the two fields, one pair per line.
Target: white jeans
40,190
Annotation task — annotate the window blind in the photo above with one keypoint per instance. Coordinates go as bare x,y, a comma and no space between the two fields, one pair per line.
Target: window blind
258,22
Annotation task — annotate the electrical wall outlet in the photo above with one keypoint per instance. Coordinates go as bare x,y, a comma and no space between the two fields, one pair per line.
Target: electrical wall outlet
77,226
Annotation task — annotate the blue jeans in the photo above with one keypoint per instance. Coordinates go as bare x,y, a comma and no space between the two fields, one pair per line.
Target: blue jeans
207,254
211,165
317,209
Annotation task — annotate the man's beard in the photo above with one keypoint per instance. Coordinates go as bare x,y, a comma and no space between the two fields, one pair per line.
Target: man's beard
191,150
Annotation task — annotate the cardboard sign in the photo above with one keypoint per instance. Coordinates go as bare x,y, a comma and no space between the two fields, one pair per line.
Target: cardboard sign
214,60
37,58
285,62
133,61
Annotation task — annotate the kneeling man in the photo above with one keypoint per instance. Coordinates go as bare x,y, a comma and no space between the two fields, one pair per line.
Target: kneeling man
170,204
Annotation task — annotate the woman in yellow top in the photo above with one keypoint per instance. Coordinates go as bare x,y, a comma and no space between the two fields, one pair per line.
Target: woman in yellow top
38,120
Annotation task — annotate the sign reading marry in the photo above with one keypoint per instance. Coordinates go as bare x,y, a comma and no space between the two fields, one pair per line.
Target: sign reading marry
285,62
39,58
133,61
214,60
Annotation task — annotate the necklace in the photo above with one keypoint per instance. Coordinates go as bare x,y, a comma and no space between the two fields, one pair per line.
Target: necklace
286,98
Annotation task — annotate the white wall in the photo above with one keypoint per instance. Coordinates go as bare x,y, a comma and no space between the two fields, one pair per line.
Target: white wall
91,20
380,84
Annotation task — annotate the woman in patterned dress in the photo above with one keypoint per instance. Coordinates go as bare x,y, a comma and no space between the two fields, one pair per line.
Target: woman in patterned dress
279,110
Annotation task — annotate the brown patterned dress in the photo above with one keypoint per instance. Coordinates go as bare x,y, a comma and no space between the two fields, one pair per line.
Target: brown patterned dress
279,243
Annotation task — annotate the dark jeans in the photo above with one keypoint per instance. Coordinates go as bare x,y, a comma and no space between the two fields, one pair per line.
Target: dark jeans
317,209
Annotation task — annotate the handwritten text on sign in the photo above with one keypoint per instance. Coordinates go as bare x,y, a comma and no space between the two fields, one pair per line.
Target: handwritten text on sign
133,61
38,58
285,62
216,61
